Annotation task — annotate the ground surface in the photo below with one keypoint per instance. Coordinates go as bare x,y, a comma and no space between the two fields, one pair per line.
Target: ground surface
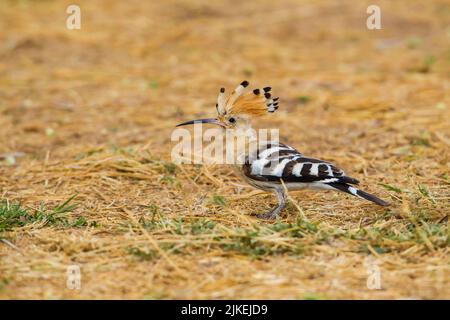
90,113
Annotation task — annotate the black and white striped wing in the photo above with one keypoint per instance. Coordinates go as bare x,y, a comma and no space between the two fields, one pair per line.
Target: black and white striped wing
274,163
278,161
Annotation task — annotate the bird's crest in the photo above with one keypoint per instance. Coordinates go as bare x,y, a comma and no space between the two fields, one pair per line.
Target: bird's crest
254,103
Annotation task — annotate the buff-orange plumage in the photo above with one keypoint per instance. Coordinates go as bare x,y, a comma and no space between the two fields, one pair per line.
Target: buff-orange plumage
254,103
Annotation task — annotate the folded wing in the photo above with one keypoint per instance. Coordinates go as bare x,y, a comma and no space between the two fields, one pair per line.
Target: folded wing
278,161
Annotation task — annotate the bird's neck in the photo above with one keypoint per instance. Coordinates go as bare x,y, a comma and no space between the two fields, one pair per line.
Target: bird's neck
243,141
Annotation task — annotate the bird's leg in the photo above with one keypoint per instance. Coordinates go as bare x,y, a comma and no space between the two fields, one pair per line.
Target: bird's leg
272,214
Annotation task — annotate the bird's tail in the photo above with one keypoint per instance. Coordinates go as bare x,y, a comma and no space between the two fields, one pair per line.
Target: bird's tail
358,193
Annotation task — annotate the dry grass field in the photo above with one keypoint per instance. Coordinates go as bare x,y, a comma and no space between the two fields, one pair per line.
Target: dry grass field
86,176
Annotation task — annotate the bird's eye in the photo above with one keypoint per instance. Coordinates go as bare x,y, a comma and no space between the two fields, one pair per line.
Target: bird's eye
232,120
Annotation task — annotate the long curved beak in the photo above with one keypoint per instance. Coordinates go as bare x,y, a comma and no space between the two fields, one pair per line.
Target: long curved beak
210,120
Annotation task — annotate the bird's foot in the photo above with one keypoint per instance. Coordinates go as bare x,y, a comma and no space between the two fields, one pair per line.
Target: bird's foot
271,214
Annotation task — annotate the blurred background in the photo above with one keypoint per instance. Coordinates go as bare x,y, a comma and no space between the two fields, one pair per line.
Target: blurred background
134,65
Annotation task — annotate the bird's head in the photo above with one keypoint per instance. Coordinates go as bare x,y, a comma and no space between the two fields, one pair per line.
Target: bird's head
238,109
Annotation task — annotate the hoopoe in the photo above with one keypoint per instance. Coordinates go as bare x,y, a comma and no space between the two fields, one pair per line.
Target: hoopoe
274,166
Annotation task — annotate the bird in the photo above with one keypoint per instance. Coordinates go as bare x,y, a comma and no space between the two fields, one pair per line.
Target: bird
273,166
